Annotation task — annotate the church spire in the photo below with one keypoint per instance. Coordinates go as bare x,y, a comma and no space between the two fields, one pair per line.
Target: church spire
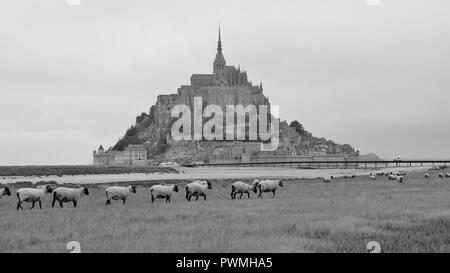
219,62
219,43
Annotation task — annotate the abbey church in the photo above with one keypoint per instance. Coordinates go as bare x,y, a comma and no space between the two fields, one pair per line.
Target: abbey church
227,85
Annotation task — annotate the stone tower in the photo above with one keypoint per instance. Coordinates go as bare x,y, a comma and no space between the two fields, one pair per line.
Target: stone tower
219,69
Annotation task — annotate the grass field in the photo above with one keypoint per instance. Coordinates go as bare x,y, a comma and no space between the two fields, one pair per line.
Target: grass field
305,216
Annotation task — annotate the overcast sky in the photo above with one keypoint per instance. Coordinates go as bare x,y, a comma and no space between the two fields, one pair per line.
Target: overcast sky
75,77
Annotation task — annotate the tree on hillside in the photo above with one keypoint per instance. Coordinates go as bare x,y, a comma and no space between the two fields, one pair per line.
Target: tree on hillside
298,127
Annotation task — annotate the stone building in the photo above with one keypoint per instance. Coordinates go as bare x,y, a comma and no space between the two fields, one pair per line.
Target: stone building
132,155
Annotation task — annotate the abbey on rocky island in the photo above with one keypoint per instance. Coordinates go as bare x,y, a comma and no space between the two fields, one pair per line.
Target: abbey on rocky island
227,85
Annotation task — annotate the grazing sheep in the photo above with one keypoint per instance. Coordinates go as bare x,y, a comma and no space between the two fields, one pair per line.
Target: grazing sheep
32,195
269,186
373,177
241,187
163,191
118,193
441,175
4,192
197,188
400,179
326,179
447,175
63,195
392,177
354,175
426,175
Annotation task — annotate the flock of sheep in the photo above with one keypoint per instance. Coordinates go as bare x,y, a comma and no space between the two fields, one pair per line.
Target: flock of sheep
194,189
398,176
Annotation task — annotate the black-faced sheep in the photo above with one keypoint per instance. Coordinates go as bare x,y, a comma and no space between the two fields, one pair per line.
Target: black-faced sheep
118,193
163,192
269,186
241,188
63,195
197,188
32,195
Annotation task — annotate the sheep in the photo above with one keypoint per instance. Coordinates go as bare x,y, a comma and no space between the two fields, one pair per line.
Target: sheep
241,187
163,191
441,175
327,179
269,186
426,175
373,177
118,193
447,175
197,188
32,195
4,192
392,177
63,194
400,179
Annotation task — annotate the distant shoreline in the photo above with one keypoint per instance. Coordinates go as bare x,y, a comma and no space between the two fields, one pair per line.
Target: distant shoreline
62,170
188,174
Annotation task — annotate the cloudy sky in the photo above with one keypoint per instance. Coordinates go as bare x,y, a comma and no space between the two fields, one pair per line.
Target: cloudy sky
75,77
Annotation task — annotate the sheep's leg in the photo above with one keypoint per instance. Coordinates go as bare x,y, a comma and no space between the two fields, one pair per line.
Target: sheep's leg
61,204
74,203
32,205
153,198
108,202
196,199
19,205
240,197
273,196
204,197
40,204
53,202
248,194
124,200
232,191
188,197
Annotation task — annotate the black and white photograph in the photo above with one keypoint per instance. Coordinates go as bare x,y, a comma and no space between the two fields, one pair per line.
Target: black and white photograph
213,127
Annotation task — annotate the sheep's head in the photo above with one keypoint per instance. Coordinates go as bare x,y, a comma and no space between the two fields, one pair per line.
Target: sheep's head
133,189
175,188
209,185
255,184
48,189
280,183
85,191
7,192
